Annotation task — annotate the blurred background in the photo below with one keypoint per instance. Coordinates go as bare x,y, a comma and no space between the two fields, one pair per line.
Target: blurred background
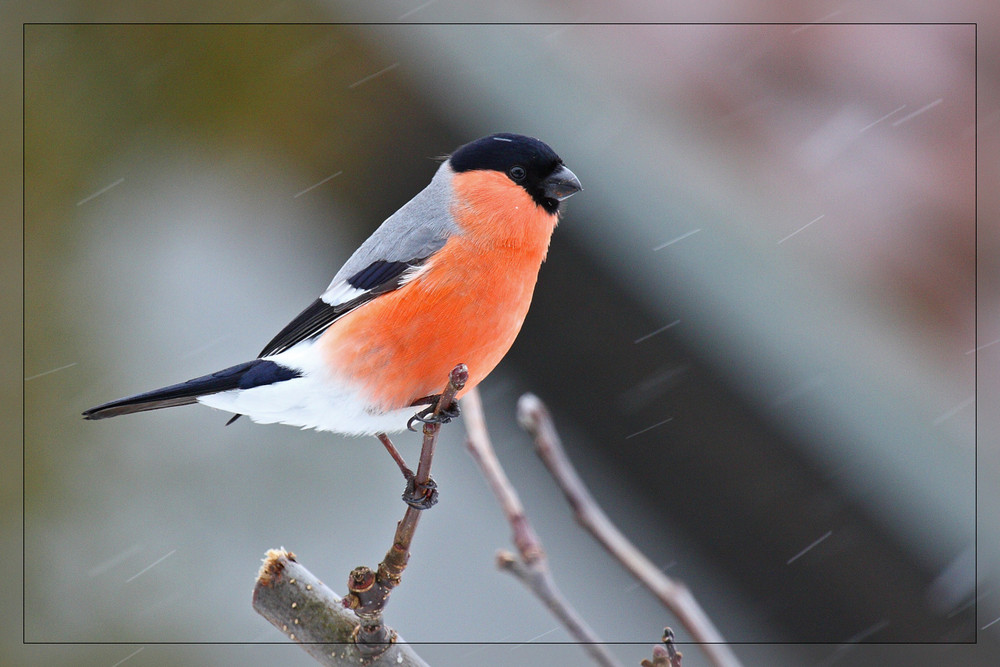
762,328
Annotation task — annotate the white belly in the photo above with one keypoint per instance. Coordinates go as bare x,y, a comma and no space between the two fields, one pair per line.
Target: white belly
317,399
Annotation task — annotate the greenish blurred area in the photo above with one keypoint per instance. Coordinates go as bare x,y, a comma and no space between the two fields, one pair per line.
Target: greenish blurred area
99,97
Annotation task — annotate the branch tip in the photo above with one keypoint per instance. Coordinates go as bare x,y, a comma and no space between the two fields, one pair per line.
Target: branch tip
459,376
360,580
665,654
505,559
272,566
529,409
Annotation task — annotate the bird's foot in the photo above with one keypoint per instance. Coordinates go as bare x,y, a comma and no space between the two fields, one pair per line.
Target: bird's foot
420,497
427,416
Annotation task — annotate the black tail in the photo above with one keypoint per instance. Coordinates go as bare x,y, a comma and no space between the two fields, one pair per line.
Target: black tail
242,376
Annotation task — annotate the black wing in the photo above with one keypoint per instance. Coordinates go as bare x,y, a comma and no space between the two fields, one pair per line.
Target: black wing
376,279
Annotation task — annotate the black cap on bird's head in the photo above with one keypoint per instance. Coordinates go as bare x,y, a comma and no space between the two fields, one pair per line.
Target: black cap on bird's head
526,161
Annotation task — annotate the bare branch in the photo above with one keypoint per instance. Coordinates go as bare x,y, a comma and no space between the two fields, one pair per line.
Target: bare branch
532,570
289,596
369,591
534,417
310,614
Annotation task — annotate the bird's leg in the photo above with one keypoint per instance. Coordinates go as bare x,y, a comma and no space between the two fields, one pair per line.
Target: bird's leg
396,456
427,416
424,497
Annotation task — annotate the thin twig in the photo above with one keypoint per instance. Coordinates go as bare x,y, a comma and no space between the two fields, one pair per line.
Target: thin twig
534,417
369,591
666,654
310,614
394,453
532,570
456,382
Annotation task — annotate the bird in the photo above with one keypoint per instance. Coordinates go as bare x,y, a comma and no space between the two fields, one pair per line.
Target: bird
446,279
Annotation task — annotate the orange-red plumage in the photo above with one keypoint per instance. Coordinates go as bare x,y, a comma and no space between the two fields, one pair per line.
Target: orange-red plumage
467,306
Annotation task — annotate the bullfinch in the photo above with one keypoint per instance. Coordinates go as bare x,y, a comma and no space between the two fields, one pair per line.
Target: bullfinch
446,279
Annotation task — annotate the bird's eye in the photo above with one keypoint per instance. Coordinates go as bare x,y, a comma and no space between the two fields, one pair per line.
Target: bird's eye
517,173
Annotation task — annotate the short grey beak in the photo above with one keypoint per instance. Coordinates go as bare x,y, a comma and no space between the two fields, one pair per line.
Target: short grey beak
561,184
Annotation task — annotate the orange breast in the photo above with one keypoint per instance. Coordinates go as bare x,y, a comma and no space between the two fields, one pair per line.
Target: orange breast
466,307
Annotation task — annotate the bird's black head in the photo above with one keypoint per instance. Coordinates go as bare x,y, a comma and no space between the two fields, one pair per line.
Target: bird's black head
526,161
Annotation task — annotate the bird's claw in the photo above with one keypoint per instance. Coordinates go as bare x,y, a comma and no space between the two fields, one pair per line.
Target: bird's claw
420,497
427,416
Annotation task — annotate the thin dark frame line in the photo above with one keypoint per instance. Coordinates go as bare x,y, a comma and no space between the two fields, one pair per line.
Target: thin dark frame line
975,323
644,642
499,23
24,337
24,27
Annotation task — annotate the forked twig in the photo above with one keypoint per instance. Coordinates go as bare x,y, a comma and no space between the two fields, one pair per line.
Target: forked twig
310,614
675,596
297,603
369,591
532,569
